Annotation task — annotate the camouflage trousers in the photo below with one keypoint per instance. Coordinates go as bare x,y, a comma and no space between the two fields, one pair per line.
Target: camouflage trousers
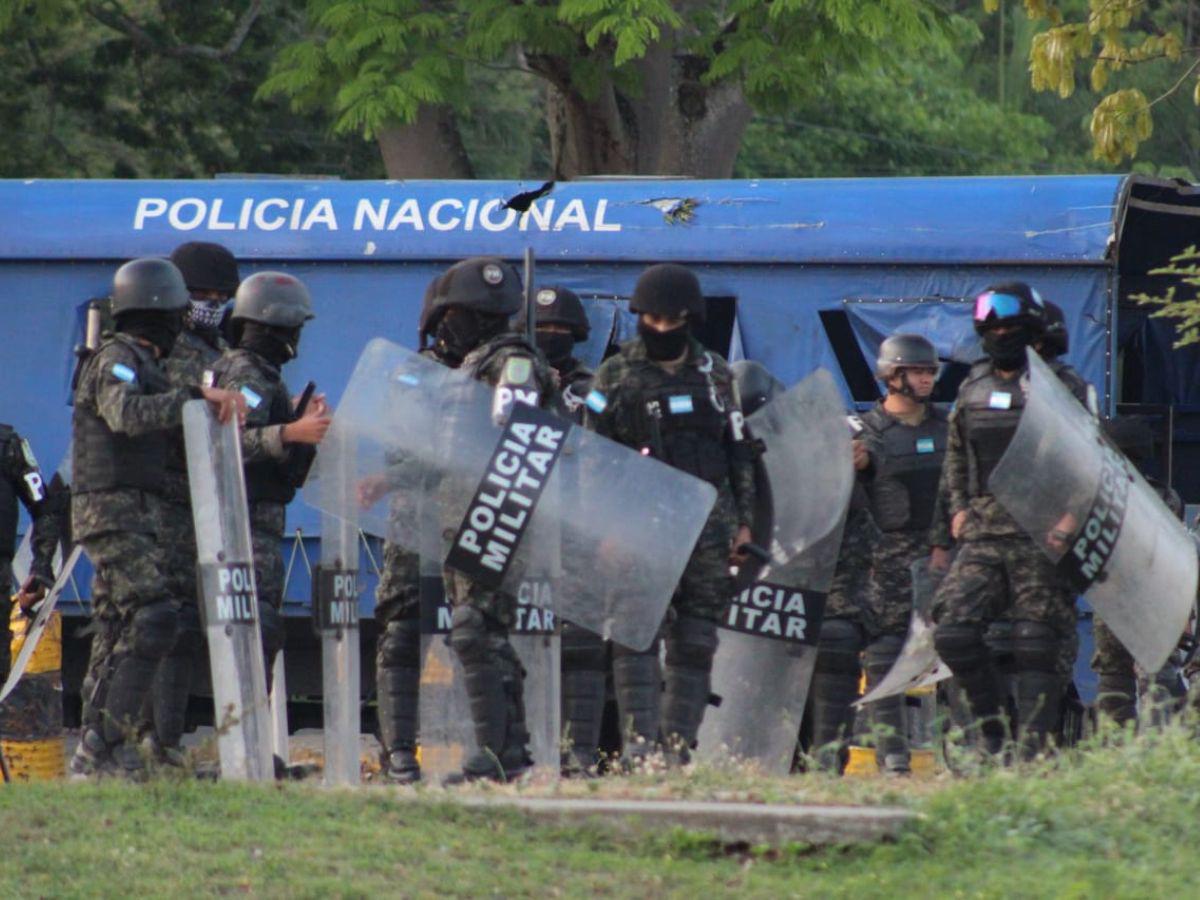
398,595
177,537
129,573
266,537
890,587
1110,656
1004,578
6,592
706,588
848,594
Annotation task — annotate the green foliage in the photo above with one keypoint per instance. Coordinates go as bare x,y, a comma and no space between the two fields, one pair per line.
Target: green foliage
1182,271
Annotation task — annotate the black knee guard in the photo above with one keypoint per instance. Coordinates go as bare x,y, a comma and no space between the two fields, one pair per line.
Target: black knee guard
963,649
583,683
153,629
888,716
1039,686
834,689
691,644
637,682
397,679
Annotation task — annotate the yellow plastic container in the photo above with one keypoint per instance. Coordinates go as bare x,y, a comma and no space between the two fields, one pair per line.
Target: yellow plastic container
862,763
31,719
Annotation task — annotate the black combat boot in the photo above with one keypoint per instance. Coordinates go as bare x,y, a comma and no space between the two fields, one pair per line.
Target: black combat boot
582,716
637,681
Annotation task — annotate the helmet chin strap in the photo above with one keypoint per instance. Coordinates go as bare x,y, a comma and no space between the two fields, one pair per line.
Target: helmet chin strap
906,388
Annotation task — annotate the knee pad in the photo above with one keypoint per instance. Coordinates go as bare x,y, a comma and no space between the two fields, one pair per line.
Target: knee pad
691,643
399,645
1036,647
961,646
840,643
883,652
468,634
270,624
581,649
154,627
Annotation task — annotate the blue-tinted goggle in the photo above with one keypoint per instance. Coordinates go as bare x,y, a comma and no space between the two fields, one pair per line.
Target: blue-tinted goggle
990,305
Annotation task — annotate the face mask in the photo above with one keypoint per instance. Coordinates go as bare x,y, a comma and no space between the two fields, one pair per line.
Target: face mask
556,346
1007,351
158,328
457,334
203,316
664,345
276,345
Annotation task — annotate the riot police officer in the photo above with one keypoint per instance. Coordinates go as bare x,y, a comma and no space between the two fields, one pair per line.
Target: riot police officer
904,437
21,482
124,410
210,273
667,396
278,446
561,324
999,572
467,320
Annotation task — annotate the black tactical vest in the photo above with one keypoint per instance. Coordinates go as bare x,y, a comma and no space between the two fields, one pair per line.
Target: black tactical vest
908,465
682,419
103,460
9,499
990,408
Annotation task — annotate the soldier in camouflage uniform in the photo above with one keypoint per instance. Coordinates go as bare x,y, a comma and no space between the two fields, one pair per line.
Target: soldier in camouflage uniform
21,483
999,572
278,447
665,395
211,275
124,411
467,318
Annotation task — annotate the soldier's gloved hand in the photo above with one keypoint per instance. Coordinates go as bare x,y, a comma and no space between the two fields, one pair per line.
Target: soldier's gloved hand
32,592
743,536
226,404
862,458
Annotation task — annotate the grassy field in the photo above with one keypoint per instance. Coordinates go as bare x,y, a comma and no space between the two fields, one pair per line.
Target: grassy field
1121,820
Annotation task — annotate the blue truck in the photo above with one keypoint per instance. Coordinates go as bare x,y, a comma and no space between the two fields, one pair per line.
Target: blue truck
798,274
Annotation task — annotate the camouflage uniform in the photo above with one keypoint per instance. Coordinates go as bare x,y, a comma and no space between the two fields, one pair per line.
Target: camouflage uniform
21,482
190,358
269,477
123,409
634,401
999,573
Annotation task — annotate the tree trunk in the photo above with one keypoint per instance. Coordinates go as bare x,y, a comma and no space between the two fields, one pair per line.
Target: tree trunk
431,147
675,125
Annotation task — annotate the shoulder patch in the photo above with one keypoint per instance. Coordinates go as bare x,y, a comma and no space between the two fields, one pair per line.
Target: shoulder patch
596,401
122,372
518,370
253,400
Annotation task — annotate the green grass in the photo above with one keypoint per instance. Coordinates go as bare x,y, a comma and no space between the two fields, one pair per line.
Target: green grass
1121,820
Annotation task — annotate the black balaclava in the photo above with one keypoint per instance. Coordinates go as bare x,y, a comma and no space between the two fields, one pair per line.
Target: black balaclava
462,330
274,344
557,347
662,346
159,327
1007,351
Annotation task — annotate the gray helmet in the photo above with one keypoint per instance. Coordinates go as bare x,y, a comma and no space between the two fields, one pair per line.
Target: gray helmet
150,283
668,289
207,267
756,386
272,298
484,284
562,306
904,351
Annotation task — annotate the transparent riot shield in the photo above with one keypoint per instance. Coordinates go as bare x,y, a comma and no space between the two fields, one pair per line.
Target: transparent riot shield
225,561
408,421
536,638
335,617
1086,506
768,642
918,664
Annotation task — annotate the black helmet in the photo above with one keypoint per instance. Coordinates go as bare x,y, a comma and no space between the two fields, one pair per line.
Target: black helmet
562,306
668,289
426,310
904,351
1055,340
484,284
756,386
207,267
272,298
151,283
1011,303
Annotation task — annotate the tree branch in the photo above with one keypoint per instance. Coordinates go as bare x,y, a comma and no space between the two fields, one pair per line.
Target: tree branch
111,14
1173,88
